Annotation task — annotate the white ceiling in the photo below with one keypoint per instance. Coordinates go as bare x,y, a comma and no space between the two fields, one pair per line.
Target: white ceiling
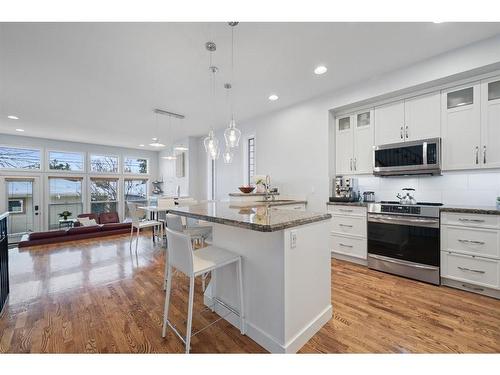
98,82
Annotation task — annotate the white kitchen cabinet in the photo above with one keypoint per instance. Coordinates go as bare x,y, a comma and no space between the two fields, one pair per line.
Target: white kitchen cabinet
470,252
411,119
344,145
490,123
348,236
354,143
389,123
363,142
461,127
423,117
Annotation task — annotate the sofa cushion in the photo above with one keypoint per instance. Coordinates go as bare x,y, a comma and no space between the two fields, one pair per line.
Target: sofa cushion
116,226
90,216
44,235
108,217
83,230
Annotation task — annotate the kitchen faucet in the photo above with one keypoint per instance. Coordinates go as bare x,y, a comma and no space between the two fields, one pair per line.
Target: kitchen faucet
268,187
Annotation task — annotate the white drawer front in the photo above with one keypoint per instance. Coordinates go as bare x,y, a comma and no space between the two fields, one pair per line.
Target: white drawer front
474,270
351,246
350,225
339,209
470,220
474,241
295,207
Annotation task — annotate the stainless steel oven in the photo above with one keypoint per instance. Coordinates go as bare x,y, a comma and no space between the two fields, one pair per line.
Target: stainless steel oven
408,158
404,240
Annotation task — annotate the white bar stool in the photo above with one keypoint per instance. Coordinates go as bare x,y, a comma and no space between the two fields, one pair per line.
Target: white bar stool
195,263
137,223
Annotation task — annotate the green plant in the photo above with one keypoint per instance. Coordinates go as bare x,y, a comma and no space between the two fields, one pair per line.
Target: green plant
65,215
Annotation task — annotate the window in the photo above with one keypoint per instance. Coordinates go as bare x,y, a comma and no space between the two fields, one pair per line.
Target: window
16,206
251,159
135,190
65,194
19,158
103,164
103,195
135,165
66,161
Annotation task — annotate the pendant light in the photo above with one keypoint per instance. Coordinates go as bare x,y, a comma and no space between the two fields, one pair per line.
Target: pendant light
232,134
227,155
156,141
170,155
211,143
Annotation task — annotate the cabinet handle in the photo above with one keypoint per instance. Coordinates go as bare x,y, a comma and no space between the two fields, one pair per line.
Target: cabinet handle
350,163
484,154
406,132
471,241
344,245
345,225
477,154
472,288
471,220
355,165
344,210
401,133
470,270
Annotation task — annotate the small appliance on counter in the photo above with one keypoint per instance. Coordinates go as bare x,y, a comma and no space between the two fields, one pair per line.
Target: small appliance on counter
369,196
344,189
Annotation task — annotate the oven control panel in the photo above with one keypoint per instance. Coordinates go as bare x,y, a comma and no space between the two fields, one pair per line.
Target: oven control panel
407,210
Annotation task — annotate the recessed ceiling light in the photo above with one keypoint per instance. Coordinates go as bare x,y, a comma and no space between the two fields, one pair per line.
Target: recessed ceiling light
273,97
141,145
180,148
320,69
19,130
156,143
13,117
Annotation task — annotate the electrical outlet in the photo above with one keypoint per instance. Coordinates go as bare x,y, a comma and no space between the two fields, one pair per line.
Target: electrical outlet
293,239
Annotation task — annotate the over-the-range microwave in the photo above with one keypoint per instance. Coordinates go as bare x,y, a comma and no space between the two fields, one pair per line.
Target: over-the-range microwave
408,158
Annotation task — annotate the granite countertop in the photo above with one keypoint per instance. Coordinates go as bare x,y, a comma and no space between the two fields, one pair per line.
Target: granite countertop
262,218
271,203
484,210
355,204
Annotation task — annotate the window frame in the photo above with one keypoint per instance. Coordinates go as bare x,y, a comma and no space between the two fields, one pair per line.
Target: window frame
132,177
248,178
84,183
39,169
47,162
124,172
104,177
91,172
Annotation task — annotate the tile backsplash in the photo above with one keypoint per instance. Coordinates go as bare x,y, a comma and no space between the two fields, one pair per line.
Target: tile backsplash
480,188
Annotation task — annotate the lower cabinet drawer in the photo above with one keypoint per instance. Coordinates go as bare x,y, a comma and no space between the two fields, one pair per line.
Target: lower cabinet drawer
351,246
350,225
473,241
339,209
471,269
470,220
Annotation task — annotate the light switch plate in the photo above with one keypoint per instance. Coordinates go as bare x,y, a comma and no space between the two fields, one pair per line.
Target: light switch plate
293,239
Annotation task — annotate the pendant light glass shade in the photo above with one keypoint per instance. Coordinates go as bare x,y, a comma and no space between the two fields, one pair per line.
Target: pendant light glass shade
211,142
232,135
214,152
227,155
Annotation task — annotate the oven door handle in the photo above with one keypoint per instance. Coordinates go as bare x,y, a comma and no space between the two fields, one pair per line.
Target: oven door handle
403,220
392,260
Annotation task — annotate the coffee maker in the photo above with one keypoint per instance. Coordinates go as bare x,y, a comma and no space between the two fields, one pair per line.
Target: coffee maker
345,189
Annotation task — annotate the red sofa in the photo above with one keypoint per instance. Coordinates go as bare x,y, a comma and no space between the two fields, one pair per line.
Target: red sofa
108,224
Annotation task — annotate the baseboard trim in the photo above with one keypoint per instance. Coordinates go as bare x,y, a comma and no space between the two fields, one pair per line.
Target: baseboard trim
270,343
347,258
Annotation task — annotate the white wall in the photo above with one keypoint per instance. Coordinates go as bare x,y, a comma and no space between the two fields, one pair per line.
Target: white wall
294,145
47,144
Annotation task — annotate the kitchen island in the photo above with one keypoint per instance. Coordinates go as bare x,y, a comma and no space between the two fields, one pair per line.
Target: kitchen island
286,270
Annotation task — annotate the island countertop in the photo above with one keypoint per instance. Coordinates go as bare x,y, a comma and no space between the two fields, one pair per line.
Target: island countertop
262,218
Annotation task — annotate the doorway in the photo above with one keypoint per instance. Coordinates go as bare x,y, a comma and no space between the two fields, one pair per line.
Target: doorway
22,200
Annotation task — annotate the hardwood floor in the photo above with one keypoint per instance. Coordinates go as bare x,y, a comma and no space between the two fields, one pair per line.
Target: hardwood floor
95,296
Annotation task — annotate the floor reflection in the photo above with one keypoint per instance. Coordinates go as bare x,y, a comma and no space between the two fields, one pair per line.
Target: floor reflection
35,273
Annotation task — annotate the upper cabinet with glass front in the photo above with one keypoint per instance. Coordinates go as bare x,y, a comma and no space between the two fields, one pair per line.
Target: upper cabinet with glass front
354,143
490,123
461,134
